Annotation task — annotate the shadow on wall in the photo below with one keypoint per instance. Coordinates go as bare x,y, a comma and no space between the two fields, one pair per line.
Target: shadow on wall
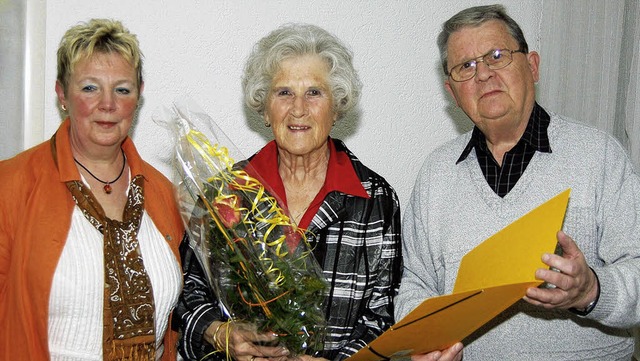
136,117
460,120
256,124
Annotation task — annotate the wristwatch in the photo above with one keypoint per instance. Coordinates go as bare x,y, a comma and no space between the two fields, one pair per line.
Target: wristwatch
585,311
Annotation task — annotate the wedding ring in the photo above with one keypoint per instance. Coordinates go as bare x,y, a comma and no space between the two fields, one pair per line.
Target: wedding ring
252,358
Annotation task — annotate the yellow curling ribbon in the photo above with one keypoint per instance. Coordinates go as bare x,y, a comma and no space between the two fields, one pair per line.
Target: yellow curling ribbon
238,179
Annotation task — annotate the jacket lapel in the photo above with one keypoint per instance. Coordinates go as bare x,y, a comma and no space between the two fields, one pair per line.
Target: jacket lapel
331,212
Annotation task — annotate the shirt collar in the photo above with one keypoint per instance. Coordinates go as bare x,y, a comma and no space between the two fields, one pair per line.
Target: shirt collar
534,135
341,176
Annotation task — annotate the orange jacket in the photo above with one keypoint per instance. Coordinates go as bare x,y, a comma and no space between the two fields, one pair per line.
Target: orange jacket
35,216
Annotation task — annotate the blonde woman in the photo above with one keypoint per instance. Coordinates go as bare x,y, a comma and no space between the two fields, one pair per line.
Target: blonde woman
89,232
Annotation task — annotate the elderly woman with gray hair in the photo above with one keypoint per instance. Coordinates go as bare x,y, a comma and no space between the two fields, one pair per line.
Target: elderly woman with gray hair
301,81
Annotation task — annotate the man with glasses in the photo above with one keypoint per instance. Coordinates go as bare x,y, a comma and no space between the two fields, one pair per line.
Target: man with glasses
517,156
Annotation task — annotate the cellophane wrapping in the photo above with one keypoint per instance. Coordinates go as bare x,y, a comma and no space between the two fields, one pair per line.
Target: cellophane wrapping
241,236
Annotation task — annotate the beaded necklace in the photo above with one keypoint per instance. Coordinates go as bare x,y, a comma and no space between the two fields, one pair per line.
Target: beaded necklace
107,185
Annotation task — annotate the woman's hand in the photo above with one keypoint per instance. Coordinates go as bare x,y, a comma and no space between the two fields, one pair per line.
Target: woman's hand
453,353
306,358
243,342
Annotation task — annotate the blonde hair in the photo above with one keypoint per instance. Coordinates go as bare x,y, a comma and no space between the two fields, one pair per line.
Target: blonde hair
97,36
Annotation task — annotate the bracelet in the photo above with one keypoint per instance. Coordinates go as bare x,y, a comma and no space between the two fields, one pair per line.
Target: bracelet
216,342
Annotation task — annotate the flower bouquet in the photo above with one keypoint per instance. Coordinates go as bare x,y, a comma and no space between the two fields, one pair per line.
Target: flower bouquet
239,234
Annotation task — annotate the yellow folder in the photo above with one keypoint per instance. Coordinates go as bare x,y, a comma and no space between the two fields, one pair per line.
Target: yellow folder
492,276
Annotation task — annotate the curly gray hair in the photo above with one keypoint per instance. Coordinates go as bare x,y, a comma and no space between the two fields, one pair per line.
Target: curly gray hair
294,40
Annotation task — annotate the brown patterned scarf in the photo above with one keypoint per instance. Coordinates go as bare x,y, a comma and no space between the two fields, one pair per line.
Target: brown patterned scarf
128,331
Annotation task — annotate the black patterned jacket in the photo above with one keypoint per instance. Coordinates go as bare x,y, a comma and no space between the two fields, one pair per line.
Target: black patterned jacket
357,243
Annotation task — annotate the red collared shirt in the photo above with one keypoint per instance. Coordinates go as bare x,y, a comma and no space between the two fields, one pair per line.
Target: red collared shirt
341,177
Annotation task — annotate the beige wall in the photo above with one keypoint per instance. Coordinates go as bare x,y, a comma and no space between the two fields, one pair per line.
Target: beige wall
196,49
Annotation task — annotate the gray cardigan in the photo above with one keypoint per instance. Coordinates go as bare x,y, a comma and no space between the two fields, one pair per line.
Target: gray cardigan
452,209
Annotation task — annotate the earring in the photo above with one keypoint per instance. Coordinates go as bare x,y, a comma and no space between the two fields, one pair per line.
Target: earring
64,107
267,124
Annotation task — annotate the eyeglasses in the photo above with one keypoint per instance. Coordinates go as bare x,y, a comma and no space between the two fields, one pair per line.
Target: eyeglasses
495,59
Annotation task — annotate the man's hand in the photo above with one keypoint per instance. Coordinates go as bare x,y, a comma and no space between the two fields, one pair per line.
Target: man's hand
453,353
576,284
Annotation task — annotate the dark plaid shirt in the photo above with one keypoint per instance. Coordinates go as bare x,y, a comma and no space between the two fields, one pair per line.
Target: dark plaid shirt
503,178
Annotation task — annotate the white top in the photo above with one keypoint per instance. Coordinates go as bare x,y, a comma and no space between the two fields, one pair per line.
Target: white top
76,300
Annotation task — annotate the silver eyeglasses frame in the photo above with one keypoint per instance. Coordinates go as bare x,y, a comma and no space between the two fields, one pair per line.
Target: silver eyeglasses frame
462,72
